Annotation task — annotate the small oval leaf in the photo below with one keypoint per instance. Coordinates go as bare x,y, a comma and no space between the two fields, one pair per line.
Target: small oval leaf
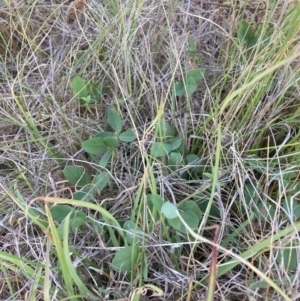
179,89
245,32
114,120
85,194
95,91
127,136
94,145
106,134
191,219
196,162
175,160
77,175
160,149
190,206
214,210
131,235
191,85
175,223
106,156
175,143
125,259
59,212
157,201
77,219
169,210
111,142
100,181
79,87
164,129
196,74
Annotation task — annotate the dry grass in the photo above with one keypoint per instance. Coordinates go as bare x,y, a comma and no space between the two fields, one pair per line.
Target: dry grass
137,49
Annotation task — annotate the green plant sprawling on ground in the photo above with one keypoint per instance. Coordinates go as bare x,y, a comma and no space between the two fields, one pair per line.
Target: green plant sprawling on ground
149,150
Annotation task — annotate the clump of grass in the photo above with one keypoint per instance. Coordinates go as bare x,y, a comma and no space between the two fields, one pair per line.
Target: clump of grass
153,152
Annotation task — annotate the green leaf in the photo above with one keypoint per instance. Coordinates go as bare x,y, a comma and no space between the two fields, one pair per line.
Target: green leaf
287,256
85,194
175,160
164,129
196,162
169,210
292,208
77,175
191,85
60,228
85,100
190,213
130,234
160,149
175,143
96,91
127,136
181,148
77,219
106,156
59,212
157,201
196,74
125,259
179,89
111,142
175,223
79,87
107,134
191,158
191,219
214,210
185,176
253,41
190,206
245,32
94,145
100,181
114,120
